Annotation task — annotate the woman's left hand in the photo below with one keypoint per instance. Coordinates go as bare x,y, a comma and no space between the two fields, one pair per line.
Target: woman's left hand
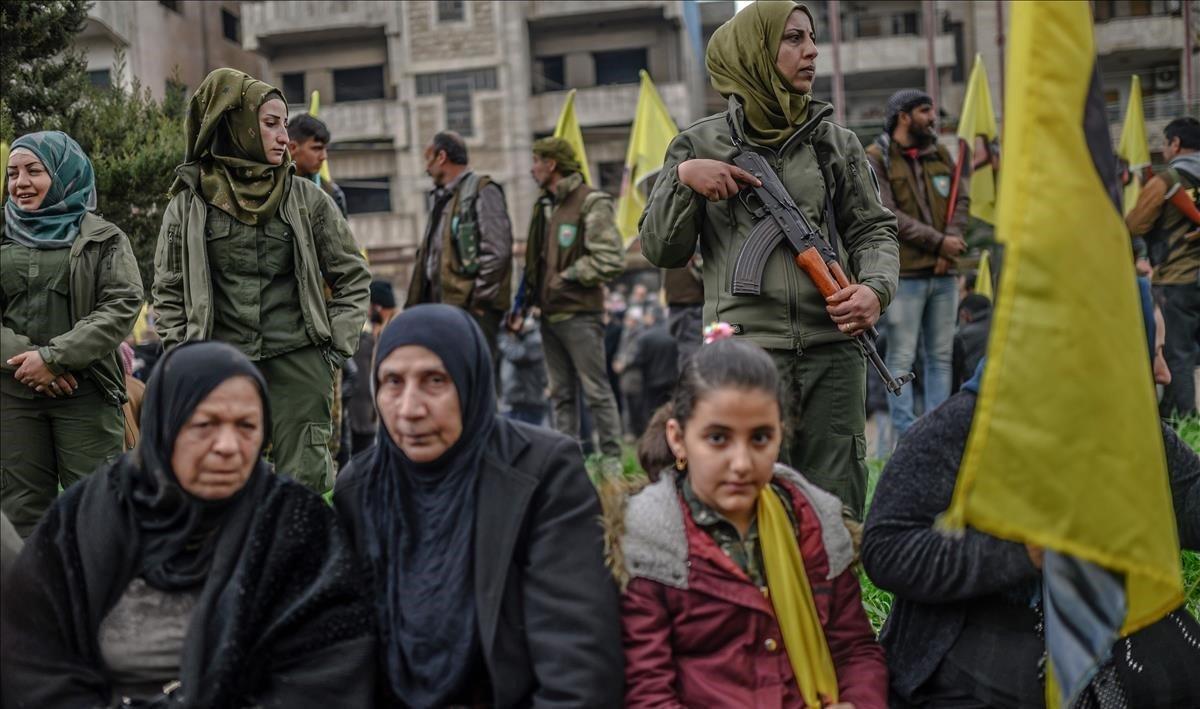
31,370
854,308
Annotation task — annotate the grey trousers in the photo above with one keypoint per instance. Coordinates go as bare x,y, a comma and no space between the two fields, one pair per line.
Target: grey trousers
575,358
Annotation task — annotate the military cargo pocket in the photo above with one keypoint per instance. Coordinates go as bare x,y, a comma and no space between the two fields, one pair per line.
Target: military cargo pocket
319,434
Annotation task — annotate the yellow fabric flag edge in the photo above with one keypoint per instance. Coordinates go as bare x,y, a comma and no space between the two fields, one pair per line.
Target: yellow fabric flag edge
567,127
954,519
795,611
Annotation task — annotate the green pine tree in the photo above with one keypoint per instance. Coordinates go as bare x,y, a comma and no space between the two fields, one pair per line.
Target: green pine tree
41,75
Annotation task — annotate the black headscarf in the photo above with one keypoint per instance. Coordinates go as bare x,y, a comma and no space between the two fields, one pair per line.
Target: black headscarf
178,531
420,518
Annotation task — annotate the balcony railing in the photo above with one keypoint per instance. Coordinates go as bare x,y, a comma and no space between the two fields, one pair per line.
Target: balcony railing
886,53
363,120
274,18
605,105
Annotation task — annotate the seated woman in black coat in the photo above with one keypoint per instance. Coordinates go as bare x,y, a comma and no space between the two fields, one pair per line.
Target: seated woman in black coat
186,574
965,629
483,536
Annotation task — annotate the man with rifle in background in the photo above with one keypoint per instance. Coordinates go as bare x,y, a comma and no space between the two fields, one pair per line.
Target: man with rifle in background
918,182
819,184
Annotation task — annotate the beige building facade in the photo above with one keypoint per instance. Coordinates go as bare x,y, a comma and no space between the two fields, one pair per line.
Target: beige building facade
392,74
168,45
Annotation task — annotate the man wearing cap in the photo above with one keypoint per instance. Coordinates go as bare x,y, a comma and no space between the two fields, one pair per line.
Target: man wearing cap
573,248
916,181
764,62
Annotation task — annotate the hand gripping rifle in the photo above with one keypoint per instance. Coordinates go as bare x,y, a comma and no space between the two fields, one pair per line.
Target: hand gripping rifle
779,219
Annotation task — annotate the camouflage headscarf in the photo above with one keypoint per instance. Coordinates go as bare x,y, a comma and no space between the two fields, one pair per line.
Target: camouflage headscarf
558,150
72,194
223,137
741,61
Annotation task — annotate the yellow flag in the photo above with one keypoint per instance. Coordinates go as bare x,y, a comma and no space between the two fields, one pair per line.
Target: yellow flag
983,278
568,130
3,158
1133,148
1065,449
652,132
977,128
314,106
141,326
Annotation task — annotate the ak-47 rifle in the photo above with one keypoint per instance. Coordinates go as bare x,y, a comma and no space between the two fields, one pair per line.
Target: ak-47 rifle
780,220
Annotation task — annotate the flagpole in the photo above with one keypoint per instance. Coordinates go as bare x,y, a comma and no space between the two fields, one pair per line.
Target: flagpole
1000,48
1188,48
835,38
931,72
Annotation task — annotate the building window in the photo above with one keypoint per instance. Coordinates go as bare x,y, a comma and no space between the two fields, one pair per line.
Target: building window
293,87
170,5
451,10
619,67
359,84
100,78
906,23
868,26
366,195
478,79
456,88
549,74
611,176
231,26
459,117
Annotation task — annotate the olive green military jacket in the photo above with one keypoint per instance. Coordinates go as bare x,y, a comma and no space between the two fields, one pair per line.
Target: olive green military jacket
325,253
790,312
106,296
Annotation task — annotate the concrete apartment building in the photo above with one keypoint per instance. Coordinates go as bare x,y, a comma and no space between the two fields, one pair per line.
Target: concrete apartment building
885,45
169,45
391,74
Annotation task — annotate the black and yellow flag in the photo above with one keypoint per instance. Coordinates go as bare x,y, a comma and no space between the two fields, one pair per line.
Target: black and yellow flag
1066,449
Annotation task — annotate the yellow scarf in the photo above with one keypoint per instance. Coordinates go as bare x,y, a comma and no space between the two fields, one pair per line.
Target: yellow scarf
791,596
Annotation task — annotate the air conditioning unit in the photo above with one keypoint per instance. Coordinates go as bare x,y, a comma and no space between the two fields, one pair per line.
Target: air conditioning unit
1166,77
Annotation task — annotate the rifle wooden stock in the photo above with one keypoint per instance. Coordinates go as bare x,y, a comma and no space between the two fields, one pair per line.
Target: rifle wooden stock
810,261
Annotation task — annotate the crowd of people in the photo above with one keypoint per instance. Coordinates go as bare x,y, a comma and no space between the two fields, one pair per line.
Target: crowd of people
165,539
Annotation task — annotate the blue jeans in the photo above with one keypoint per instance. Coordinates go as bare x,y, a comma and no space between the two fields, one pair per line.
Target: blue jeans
924,311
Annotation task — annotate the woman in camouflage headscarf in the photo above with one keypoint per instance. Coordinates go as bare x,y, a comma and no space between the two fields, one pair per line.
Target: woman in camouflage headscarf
245,256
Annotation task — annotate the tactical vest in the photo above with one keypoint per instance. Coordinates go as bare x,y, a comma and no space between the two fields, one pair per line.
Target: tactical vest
563,245
459,265
1176,259
938,176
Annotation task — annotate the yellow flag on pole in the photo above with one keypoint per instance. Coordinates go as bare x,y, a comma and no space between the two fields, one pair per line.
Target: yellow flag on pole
983,276
3,158
314,106
1066,449
1133,148
568,129
977,130
649,137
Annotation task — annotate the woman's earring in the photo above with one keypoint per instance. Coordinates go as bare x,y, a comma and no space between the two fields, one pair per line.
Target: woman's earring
681,464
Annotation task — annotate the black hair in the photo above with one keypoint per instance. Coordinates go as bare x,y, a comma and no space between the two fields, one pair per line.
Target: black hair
728,363
303,127
1187,129
452,144
975,304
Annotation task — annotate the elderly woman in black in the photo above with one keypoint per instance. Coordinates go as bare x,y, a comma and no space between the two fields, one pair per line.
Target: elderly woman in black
964,631
185,574
482,535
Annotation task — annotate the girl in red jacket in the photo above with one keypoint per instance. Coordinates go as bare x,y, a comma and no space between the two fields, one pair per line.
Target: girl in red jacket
738,590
